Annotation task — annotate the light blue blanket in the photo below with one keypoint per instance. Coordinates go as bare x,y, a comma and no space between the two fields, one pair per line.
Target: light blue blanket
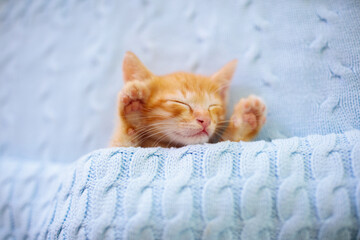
60,71
298,188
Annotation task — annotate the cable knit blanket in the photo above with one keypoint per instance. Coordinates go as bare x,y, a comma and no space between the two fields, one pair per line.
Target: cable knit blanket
59,76
297,188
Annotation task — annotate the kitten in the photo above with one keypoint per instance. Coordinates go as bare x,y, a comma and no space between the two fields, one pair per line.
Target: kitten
181,108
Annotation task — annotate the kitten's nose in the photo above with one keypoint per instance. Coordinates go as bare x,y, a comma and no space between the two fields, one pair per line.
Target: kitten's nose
204,121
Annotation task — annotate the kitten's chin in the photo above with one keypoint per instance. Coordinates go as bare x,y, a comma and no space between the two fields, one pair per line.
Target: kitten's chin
197,138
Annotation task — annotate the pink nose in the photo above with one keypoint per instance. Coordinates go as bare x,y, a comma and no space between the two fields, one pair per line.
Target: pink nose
204,122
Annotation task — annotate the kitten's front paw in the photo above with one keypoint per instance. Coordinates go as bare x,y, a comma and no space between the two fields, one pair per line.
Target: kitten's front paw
132,97
249,115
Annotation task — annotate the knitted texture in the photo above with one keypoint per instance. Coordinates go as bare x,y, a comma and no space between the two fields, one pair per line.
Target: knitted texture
59,76
297,188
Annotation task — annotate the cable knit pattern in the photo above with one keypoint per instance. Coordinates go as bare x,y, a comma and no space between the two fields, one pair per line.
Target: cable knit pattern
331,195
218,165
354,137
59,76
293,202
256,200
138,198
297,188
177,200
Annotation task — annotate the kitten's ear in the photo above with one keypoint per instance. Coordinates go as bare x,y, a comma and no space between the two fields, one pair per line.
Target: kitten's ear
134,69
223,77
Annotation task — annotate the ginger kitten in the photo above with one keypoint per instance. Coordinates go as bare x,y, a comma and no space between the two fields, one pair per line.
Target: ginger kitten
181,108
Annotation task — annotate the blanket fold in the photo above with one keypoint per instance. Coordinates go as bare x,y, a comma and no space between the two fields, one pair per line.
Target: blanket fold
297,188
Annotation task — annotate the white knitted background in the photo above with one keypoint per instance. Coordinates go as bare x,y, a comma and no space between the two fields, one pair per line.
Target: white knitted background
60,64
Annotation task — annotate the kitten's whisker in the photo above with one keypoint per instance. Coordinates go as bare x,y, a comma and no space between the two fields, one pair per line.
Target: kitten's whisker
225,136
170,142
153,125
141,131
225,121
220,137
149,117
147,130
146,133
160,139
158,132
152,133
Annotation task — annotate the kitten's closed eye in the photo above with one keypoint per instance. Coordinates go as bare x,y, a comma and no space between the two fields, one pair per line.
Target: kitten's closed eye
179,103
214,106
216,111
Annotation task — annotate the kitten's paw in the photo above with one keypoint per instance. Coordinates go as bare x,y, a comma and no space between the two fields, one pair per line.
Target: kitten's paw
132,97
249,114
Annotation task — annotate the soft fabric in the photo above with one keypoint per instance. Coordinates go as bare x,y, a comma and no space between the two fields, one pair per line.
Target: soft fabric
60,64
60,73
298,188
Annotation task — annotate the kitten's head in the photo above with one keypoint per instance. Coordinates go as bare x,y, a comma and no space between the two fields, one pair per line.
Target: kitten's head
183,108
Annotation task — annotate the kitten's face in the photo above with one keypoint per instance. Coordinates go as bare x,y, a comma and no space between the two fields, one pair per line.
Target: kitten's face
184,109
